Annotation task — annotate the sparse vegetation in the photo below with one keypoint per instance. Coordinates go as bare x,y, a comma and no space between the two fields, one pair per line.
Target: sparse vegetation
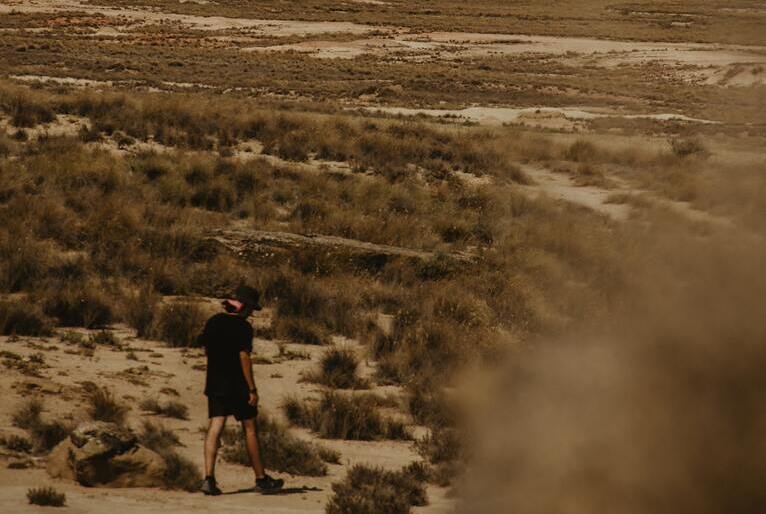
338,369
45,434
103,406
443,448
338,416
169,409
157,437
180,472
103,338
78,304
281,450
371,490
123,218
46,497
24,320
179,323
16,443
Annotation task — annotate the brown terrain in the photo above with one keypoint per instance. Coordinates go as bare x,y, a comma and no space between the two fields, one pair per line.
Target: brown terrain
446,190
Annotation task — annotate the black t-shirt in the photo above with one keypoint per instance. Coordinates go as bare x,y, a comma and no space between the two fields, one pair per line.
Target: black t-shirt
224,336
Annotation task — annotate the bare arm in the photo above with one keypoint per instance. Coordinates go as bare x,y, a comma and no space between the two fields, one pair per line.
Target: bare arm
247,370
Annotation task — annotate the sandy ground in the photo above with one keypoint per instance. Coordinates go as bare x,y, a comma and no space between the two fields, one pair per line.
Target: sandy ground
161,367
546,117
462,44
133,16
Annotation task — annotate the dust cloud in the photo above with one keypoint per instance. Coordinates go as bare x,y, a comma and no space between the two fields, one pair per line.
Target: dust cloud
658,409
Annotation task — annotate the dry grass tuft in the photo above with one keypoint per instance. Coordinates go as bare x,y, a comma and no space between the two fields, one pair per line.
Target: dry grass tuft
103,406
157,437
281,450
338,416
169,409
25,319
46,497
371,490
338,369
179,323
45,435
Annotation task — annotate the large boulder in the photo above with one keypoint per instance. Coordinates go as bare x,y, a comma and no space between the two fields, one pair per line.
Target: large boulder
100,454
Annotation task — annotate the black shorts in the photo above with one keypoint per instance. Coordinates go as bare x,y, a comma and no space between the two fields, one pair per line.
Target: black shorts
230,406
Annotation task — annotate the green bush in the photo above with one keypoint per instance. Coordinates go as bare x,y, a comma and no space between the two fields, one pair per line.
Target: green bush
368,490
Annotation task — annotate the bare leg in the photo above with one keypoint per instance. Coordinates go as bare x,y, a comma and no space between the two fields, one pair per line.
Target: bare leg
253,447
212,441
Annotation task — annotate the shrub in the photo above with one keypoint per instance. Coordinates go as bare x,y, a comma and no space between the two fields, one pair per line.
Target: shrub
338,369
103,406
368,490
78,305
311,308
581,151
48,434
170,409
280,450
45,435
300,330
684,147
180,472
338,416
140,310
179,323
27,111
16,443
103,338
440,446
28,414
428,406
23,319
72,337
46,496
157,437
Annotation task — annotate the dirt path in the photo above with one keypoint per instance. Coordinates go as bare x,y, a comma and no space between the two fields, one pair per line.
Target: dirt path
552,117
561,187
254,244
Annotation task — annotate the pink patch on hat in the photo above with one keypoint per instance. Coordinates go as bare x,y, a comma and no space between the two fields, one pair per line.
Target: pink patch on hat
236,305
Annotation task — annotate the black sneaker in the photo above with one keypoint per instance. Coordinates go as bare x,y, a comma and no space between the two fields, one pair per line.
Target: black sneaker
268,484
209,487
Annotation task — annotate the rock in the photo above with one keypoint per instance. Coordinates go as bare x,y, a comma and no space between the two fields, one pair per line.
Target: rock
96,437
100,454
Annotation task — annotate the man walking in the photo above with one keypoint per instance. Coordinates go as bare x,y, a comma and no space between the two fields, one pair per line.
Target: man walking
230,387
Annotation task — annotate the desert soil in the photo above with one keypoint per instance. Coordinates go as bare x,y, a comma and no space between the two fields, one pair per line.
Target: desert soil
162,367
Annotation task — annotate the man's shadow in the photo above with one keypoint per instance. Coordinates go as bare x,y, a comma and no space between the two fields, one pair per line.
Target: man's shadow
282,492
